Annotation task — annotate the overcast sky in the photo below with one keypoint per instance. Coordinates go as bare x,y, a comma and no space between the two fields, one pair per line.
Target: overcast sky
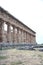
30,12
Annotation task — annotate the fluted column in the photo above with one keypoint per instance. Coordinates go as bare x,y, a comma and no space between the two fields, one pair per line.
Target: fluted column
25,36
31,39
28,37
18,37
9,33
2,32
22,36
14,34
34,39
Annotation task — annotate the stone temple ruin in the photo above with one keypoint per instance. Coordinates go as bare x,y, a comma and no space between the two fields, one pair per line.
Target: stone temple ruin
14,31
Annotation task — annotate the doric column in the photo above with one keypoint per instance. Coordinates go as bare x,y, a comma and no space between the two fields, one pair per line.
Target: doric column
2,32
18,37
25,36
30,38
35,39
22,36
13,34
24,33
9,33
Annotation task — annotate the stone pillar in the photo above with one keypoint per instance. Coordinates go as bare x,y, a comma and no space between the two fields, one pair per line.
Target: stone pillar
14,34
30,38
9,33
26,37
2,32
35,39
18,37
22,35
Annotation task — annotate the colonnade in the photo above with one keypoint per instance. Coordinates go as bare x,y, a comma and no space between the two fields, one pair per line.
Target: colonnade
17,35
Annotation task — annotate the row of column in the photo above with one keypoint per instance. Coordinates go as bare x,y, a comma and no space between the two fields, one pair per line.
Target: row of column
17,35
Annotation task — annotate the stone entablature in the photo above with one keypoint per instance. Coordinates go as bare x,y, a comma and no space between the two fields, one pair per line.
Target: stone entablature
23,34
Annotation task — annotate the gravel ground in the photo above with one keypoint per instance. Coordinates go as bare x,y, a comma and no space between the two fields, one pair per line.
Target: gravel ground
21,57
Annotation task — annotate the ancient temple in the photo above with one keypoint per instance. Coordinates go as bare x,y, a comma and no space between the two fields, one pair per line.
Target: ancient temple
15,31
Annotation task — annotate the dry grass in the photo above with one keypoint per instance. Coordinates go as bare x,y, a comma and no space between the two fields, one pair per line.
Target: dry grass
21,57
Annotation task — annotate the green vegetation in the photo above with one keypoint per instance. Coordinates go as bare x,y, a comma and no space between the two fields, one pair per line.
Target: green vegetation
40,55
3,64
16,63
0,48
2,57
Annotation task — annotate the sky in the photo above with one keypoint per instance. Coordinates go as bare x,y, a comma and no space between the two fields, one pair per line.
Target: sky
30,12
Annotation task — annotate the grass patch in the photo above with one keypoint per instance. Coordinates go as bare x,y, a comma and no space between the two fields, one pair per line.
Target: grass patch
16,63
2,57
3,64
40,55
0,48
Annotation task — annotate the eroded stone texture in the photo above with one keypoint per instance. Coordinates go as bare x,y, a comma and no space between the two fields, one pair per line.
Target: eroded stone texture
20,32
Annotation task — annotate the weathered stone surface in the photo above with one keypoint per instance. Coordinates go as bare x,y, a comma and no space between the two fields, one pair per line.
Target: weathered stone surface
20,32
